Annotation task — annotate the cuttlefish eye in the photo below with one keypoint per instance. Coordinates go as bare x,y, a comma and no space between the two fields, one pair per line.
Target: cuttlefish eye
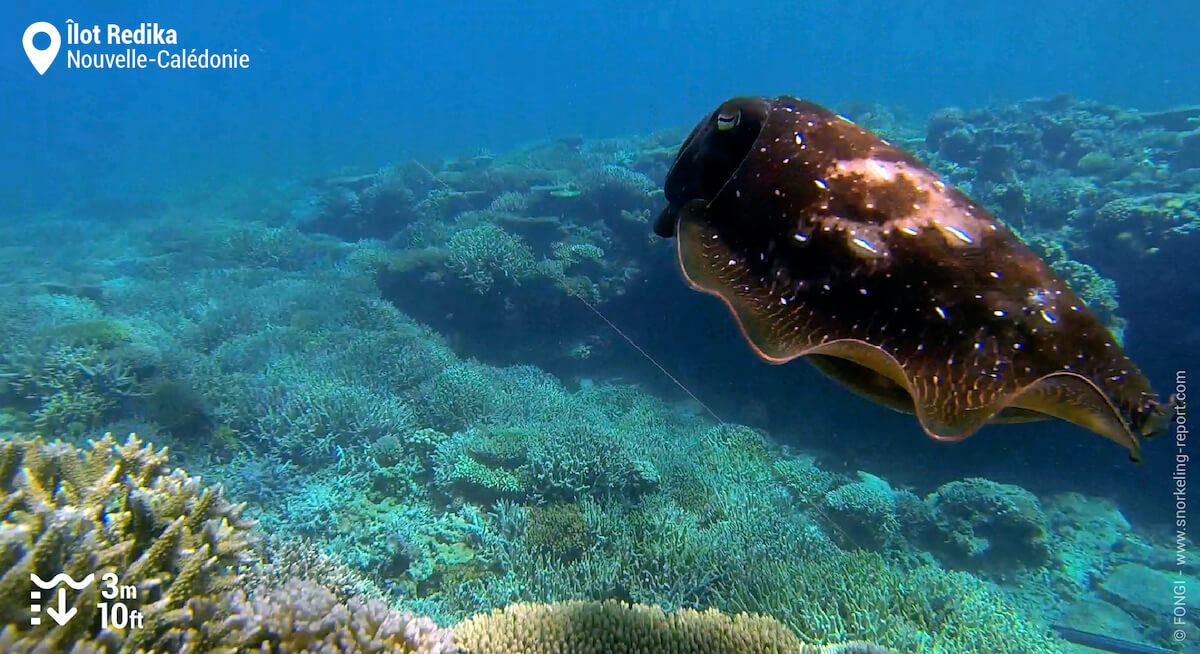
727,121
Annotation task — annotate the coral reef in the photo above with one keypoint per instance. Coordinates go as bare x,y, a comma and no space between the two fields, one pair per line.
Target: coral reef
112,509
597,627
864,512
300,617
115,509
989,527
347,370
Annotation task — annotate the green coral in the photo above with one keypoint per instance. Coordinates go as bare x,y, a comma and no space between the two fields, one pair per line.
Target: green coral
471,473
1096,162
572,253
863,596
459,396
103,332
804,477
559,530
68,388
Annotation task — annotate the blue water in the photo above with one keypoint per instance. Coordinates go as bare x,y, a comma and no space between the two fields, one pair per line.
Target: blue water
357,82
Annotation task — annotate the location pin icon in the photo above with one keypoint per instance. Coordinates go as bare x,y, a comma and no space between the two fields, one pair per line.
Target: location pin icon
41,59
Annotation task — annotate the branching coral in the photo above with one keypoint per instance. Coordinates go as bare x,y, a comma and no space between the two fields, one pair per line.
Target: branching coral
111,509
836,596
117,509
482,253
71,387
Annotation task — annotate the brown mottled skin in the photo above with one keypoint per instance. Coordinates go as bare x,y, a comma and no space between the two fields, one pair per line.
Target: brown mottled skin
828,242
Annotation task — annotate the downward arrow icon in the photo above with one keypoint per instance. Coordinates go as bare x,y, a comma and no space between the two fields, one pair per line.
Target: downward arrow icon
61,615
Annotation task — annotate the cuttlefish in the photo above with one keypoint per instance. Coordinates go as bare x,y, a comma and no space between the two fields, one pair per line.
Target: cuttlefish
829,243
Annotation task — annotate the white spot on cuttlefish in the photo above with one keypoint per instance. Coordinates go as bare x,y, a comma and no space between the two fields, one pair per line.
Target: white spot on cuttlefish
865,245
959,234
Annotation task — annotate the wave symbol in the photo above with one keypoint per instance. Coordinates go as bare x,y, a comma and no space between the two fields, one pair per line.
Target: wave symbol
60,578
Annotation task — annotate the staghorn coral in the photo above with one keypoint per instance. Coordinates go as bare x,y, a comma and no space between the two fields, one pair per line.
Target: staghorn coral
68,387
111,508
611,626
480,254
861,595
803,477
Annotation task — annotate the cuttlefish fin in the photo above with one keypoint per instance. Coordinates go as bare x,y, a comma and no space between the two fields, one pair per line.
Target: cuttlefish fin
946,410
873,386
1076,399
